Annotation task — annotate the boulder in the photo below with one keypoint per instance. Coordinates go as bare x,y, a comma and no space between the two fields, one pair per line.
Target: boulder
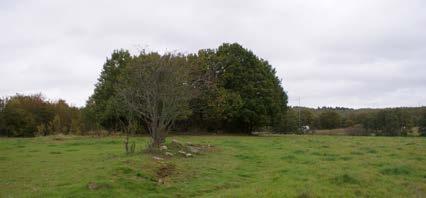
163,147
92,186
157,158
193,149
175,141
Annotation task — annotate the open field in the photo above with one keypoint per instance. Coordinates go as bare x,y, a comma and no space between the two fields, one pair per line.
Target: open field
240,166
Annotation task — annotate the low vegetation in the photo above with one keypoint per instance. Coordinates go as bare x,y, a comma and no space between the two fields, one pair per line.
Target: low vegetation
238,166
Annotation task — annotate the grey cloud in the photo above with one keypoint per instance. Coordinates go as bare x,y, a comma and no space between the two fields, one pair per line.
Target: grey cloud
347,53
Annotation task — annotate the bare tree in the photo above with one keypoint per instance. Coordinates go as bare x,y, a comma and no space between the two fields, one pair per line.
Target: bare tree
157,89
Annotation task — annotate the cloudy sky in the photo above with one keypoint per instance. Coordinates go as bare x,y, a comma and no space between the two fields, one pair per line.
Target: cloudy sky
353,53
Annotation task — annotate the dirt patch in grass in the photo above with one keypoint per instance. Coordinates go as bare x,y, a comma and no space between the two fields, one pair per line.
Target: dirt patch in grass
164,171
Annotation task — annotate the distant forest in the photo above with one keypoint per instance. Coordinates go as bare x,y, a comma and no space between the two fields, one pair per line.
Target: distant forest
223,90
398,121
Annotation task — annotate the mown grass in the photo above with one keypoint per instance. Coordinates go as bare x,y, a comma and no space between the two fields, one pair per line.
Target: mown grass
240,166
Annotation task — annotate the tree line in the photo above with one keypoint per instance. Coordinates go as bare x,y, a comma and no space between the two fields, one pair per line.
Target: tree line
387,122
226,89
31,115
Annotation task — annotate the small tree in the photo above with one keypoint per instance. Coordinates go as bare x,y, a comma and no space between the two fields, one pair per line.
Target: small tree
156,89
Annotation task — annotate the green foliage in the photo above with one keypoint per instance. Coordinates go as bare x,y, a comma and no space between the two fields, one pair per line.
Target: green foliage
389,122
240,90
236,91
329,120
220,107
307,117
41,129
292,121
102,108
2,124
422,123
76,125
32,115
55,125
156,89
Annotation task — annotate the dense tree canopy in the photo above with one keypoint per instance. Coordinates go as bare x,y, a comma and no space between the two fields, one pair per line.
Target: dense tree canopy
241,91
237,91
32,115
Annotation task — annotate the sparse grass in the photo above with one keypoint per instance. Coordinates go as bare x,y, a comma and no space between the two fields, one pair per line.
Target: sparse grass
240,166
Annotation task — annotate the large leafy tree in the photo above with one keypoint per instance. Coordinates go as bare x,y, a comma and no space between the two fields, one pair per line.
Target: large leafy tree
241,90
103,107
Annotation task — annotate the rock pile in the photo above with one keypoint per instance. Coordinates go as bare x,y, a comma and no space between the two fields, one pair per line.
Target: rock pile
184,149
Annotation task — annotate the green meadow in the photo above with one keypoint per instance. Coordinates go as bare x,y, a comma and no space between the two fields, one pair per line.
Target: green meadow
237,166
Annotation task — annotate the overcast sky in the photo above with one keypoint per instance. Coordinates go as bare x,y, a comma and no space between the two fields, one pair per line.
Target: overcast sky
353,53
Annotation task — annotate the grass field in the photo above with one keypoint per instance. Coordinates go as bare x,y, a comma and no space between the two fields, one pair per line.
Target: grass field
240,166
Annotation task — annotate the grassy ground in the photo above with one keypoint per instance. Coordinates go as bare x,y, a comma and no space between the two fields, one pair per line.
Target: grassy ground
241,166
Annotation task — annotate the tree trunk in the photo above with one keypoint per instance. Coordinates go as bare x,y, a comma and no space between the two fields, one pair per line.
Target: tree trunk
158,137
